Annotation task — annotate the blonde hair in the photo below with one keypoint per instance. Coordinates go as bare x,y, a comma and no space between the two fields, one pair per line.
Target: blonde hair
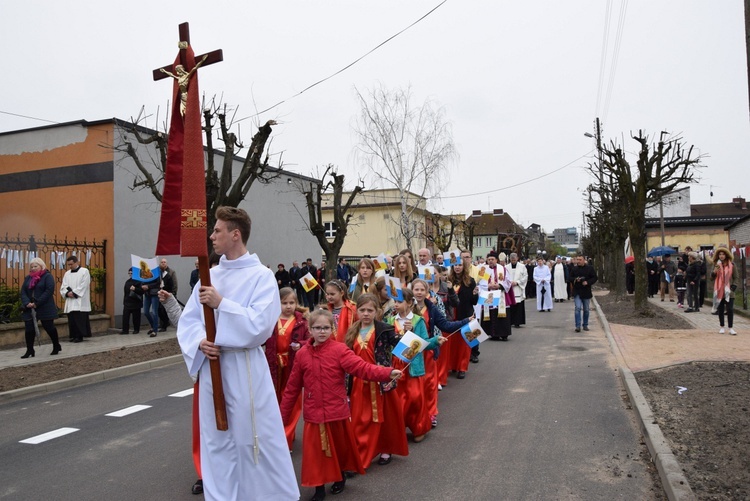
353,331
321,313
409,274
285,292
38,260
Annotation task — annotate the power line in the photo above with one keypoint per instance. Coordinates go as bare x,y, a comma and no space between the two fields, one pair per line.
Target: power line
347,66
603,60
26,116
523,182
615,57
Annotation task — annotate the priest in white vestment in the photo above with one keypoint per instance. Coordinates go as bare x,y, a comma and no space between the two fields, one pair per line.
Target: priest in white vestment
560,275
542,278
251,460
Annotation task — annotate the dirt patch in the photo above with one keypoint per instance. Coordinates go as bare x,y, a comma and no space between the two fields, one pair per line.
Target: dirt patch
621,311
708,425
12,378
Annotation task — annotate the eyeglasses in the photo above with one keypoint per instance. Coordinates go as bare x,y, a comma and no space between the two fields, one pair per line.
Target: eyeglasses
326,328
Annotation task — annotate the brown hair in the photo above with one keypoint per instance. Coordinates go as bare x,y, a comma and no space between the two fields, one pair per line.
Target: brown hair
236,219
409,270
464,278
285,292
320,312
340,285
353,331
367,262
409,298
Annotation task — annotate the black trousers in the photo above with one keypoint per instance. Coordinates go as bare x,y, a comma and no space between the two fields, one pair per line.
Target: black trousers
730,312
49,327
78,324
127,312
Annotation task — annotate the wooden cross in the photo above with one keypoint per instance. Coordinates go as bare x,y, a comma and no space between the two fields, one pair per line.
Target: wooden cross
212,57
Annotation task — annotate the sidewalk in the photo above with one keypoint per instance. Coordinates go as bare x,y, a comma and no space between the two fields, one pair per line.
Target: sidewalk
645,349
106,342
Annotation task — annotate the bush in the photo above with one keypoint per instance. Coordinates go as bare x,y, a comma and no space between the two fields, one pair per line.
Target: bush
10,304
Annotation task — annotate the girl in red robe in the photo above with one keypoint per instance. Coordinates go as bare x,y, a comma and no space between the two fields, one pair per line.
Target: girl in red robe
377,412
289,334
468,293
328,444
344,312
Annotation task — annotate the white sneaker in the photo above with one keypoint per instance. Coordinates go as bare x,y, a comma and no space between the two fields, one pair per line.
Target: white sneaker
732,332
721,331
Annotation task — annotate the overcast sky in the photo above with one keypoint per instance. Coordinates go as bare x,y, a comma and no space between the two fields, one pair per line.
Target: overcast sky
519,80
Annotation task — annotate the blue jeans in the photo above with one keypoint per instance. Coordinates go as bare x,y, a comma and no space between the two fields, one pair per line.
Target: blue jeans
582,304
151,310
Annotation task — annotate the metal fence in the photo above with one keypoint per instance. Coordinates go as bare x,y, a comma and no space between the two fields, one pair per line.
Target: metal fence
15,254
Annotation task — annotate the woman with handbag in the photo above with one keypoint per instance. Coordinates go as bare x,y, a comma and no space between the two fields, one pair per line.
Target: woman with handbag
37,295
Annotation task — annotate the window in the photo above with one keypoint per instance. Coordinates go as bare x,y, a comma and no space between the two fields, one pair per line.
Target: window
488,241
478,241
330,229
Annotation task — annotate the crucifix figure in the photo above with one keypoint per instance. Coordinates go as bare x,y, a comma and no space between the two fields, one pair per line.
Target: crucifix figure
183,80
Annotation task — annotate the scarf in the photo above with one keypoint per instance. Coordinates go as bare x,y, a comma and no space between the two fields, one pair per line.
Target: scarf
35,277
723,279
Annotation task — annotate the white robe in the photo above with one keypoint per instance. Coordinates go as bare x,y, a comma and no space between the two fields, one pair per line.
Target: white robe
561,287
542,277
79,282
520,275
244,321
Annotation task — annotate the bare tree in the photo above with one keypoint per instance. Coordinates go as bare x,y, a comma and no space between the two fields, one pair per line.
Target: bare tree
441,231
406,146
331,182
660,168
224,187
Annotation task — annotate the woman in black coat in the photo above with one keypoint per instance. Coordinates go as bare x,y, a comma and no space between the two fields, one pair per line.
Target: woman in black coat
37,295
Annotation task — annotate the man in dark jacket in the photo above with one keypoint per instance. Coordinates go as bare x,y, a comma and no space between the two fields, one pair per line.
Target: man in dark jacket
283,279
131,305
693,279
583,277
343,271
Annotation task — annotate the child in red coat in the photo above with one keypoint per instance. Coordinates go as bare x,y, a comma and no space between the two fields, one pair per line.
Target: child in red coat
328,445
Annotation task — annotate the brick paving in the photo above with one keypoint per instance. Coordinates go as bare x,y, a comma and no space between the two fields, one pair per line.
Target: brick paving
645,349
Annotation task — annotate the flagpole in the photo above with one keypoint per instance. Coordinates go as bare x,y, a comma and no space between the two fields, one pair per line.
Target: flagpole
217,383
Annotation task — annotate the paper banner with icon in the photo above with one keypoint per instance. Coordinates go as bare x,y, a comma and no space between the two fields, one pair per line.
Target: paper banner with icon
490,298
483,273
353,285
409,347
451,257
393,289
381,263
473,333
308,282
426,272
144,269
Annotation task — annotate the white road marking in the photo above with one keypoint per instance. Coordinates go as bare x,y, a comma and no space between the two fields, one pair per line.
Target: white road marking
128,410
49,435
183,393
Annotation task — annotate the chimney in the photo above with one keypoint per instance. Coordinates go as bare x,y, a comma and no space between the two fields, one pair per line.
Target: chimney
476,213
739,203
497,212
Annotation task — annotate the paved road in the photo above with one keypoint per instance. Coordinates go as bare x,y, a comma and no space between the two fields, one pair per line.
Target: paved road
540,417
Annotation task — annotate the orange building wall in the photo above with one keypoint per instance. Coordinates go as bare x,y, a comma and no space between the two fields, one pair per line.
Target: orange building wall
84,211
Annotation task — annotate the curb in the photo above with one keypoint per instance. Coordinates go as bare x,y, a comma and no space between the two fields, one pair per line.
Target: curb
127,370
673,479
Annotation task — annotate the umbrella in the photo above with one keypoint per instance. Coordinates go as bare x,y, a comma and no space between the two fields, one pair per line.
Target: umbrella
629,259
36,327
661,250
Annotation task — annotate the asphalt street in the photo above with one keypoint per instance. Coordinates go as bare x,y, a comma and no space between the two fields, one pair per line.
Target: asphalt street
540,417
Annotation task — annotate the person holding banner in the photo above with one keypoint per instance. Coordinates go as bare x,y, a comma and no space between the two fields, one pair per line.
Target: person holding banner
344,311
413,390
467,293
251,459
289,334
429,309
328,443
377,412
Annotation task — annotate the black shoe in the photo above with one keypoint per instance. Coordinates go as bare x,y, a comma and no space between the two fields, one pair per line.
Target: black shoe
474,359
585,327
384,461
29,353
504,338
494,338
578,329
56,349
163,329
136,332
517,326
461,375
689,310
338,487
123,333
197,487
77,340
320,493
